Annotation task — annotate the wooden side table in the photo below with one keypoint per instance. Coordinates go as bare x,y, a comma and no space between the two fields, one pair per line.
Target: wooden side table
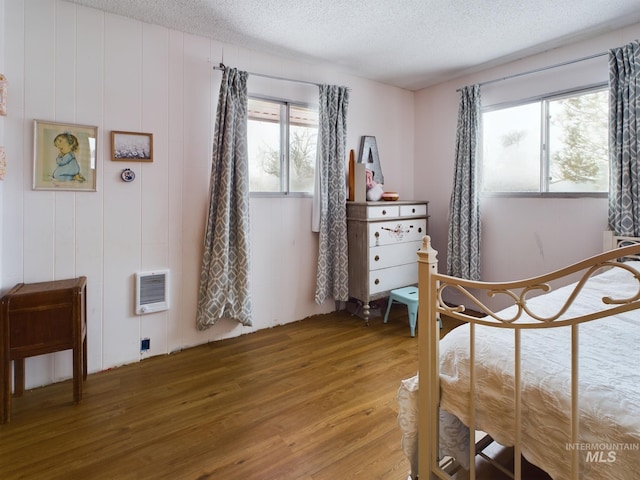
39,318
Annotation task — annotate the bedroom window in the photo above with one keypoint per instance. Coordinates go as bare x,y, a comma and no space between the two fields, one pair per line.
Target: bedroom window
552,145
282,146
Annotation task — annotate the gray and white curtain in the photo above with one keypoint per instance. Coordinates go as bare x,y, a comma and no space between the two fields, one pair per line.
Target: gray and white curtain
330,196
224,276
463,252
624,138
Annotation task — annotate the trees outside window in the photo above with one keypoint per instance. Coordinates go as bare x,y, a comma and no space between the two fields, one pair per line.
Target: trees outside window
282,140
556,144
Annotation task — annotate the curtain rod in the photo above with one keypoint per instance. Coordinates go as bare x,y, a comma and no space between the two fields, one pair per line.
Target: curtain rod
542,69
221,67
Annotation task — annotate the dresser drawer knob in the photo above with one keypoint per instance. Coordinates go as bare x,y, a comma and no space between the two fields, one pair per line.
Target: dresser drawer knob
413,210
384,212
377,281
419,229
376,258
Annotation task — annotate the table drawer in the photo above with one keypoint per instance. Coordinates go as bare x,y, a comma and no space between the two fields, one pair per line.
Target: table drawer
47,329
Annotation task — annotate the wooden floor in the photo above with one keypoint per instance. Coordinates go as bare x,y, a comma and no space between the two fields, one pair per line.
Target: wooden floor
315,399
311,400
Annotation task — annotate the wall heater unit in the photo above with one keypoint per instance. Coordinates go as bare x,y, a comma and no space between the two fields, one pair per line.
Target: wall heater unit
152,291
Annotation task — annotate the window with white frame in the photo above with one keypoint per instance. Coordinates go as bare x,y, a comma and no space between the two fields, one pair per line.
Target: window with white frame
557,144
281,139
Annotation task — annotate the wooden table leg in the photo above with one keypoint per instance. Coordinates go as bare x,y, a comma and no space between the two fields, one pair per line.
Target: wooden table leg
84,358
18,375
77,373
5,393
5,366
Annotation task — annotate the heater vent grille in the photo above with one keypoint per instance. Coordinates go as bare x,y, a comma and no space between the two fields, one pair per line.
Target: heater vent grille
152,291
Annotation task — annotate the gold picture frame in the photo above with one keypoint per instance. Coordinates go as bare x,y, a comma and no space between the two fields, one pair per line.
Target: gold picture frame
64,156
131,146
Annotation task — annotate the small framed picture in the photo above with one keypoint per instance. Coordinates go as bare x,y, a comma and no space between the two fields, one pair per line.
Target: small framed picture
64,156
131,146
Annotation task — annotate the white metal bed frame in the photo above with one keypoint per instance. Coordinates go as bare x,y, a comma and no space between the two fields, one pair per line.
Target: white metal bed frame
431,306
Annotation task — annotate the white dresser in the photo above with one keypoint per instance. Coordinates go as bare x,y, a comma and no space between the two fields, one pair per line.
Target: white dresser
383,240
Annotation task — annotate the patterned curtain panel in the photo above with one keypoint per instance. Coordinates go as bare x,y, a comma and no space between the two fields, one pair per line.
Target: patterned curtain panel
463,252
224,276
624,136
332,277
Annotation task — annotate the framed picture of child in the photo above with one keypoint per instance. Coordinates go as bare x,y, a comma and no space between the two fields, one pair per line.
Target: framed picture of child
64,156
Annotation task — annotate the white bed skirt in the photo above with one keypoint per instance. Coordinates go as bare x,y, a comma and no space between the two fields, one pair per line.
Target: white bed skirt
454,435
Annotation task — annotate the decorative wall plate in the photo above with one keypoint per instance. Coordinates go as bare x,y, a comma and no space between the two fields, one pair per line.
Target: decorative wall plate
128,175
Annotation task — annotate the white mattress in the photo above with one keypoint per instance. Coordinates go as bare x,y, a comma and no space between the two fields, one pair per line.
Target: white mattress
609,385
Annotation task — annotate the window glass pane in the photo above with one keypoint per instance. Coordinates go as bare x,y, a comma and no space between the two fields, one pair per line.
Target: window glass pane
303,134
263,138
511,149
578,143
274,166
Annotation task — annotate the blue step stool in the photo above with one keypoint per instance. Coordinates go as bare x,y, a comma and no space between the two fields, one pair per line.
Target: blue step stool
409,297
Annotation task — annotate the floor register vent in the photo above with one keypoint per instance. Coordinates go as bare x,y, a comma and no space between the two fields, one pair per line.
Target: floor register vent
152,291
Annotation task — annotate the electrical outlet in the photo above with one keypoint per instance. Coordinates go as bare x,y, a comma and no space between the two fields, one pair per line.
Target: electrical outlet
145,344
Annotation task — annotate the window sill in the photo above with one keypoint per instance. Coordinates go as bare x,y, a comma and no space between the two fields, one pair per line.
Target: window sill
545,194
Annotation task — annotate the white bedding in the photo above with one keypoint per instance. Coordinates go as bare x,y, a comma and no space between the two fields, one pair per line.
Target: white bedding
609,385
454,435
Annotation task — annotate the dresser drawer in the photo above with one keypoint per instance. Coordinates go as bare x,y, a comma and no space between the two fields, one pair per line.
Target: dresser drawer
383,211
390,255
393,277
419,210
398,231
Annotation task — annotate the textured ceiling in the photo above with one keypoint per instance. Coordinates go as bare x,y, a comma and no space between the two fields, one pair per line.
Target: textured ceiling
408,43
